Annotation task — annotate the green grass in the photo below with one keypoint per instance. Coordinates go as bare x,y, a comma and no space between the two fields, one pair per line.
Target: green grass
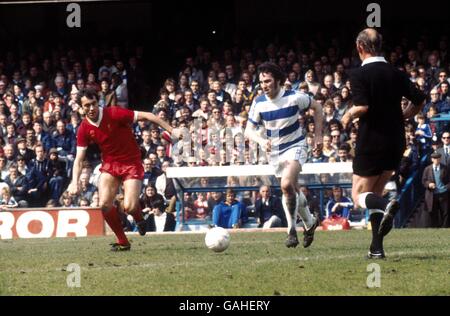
255,264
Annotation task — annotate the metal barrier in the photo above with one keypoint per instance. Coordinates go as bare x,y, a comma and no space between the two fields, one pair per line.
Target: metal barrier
411,195
182,190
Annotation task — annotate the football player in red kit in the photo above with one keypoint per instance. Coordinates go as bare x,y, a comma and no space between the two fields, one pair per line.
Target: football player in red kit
110,128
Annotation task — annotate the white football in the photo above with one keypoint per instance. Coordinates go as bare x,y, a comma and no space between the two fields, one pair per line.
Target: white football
217,239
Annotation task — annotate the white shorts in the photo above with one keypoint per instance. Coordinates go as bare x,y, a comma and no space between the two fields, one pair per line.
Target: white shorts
298,153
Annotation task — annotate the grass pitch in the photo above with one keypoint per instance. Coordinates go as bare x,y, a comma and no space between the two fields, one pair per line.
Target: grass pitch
256,263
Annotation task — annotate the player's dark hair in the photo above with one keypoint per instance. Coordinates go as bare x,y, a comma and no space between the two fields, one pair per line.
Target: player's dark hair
89,93
272,68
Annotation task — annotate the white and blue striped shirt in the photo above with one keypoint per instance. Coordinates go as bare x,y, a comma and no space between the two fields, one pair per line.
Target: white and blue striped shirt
279,116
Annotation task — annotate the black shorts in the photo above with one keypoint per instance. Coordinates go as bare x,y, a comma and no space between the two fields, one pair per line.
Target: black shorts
375,164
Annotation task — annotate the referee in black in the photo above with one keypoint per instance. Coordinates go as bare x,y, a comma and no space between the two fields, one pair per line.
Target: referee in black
377,89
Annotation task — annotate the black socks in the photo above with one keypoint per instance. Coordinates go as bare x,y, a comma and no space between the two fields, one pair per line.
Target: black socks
377,240
374,201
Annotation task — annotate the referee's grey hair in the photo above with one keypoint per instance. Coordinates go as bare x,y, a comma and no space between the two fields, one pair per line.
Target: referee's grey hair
370,40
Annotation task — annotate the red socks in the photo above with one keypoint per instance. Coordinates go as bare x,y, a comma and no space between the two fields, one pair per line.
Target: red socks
113,220
137,216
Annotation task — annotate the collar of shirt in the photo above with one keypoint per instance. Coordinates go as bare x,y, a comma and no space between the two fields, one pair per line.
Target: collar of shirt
373,60
99,120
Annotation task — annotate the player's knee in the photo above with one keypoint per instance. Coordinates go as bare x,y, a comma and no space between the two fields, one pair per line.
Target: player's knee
130,207
287,187
105,207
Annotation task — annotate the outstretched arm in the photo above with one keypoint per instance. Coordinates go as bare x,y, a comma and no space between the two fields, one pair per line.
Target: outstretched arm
154,119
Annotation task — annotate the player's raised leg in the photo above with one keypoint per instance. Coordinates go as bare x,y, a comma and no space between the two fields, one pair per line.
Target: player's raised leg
310,223
392,206
294,201
366,197
108,186
132,188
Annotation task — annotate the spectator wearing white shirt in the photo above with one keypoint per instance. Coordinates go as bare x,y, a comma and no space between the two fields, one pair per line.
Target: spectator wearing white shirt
160,221
445,149
166,187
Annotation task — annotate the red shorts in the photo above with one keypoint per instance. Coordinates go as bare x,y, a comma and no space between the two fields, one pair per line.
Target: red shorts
133,170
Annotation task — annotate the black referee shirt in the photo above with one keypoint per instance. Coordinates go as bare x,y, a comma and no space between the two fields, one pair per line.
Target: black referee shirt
381,87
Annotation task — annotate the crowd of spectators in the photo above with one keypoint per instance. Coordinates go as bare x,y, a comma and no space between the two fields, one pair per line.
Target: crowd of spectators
211,96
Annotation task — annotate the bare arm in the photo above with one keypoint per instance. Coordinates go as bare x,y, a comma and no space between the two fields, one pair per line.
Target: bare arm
77,166
412,110
154,119
355,112
318,122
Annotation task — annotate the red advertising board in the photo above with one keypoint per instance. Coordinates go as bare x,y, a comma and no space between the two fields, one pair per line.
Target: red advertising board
46,223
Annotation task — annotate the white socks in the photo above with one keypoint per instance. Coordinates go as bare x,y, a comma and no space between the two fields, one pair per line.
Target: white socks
303,209
291,219
362,199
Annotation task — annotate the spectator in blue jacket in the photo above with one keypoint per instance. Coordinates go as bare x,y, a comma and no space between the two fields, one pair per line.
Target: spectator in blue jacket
435,100
43,137
423,133
338,204
64,141
37,178
74,124
228,214
18,185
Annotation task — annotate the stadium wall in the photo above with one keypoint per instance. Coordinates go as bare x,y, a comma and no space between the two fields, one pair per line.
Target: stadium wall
47,223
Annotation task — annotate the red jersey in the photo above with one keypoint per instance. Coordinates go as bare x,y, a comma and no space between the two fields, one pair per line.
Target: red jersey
113,134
